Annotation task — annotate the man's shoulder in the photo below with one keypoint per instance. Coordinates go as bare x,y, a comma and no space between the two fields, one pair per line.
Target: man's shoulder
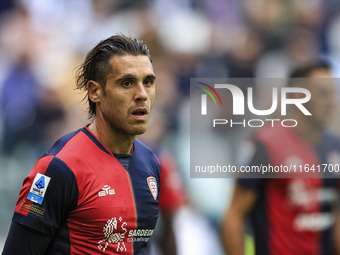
73,149
141,147
61,143
144,151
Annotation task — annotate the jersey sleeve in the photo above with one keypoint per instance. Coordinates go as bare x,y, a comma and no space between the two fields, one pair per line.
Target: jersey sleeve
48,195
32,242
172,194
259,156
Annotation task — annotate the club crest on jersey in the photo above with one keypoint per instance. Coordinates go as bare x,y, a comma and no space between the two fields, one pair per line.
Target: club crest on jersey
152,186
38,188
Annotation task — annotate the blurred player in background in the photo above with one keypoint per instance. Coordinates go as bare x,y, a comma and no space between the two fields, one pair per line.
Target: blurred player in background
292,215
96,191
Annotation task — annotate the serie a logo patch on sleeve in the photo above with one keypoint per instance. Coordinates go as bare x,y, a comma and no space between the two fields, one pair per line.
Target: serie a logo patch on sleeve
38,188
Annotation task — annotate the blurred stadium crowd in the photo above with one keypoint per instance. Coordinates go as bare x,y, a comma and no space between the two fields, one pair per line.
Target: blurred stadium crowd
42,43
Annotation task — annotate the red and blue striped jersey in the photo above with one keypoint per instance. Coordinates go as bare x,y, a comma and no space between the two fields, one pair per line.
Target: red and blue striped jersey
80,194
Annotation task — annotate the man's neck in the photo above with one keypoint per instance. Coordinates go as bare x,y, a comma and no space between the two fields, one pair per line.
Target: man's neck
116,142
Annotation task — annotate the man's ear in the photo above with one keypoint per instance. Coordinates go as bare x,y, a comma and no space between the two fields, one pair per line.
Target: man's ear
94,90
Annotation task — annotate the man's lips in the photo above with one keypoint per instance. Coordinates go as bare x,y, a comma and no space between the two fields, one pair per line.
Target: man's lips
140,113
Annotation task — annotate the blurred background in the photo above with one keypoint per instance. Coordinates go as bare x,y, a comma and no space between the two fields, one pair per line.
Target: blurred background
42,42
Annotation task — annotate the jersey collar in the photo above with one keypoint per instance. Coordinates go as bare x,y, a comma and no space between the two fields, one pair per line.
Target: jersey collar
94,139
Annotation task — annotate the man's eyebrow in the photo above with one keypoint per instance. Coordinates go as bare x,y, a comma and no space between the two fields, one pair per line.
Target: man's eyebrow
150,76
127,77
132,77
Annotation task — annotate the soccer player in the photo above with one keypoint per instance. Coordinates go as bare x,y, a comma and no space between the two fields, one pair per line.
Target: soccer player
292,215
96,190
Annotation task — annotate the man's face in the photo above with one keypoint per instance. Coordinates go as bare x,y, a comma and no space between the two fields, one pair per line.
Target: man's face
323,100
129,94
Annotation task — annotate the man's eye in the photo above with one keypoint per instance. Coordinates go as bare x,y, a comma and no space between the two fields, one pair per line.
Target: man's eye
148,82
126,83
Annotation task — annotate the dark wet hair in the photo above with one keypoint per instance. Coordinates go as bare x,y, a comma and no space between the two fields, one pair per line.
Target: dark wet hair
96,65
305,70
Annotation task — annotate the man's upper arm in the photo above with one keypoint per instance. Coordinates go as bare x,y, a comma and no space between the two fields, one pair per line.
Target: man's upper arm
243,200
48,194
25,241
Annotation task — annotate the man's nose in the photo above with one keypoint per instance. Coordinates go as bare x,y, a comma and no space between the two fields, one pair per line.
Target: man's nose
141,93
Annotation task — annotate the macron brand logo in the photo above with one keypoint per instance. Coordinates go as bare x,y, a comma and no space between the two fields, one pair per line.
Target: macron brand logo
106,190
